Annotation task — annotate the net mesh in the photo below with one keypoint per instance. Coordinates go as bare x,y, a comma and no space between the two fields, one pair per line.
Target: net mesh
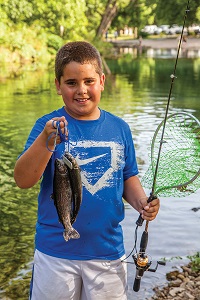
179,162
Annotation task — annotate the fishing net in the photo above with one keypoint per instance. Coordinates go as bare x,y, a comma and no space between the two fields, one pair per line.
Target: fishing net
178,168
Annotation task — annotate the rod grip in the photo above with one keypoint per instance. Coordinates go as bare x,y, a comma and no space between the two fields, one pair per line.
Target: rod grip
140,220
144,241
136,285
138,276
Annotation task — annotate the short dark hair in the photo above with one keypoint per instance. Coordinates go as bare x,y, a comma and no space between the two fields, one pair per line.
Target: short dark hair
80,52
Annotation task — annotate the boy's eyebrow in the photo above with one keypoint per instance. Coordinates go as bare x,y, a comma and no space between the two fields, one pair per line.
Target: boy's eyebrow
74,79
70,79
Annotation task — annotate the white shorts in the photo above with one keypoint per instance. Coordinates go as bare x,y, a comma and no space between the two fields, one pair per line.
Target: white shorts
62,279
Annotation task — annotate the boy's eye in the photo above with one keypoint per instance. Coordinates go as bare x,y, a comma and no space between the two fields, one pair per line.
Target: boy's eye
70,82
89,81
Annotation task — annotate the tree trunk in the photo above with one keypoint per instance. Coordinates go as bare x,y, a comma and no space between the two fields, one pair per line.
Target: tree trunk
108,16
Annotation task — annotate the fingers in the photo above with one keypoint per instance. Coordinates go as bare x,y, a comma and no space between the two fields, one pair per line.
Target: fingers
55,122
56,131
58,122
150,211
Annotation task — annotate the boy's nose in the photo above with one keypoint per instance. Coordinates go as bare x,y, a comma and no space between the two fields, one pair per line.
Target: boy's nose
82,89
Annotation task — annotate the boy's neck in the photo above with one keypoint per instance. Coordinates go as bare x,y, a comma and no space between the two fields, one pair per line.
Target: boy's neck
94,116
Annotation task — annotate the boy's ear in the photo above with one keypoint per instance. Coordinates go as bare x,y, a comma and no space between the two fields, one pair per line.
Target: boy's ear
102,80
57,84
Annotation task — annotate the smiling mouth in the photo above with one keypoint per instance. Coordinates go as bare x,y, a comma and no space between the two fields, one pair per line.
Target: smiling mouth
81,100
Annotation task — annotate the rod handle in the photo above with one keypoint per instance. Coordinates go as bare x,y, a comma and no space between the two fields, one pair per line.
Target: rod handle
138,276
136,285
140,220
144,241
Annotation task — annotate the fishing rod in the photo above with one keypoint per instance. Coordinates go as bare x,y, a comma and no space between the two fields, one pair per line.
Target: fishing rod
169,125
172,76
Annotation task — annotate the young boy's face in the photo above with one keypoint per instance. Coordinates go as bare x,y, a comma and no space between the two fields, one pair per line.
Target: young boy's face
81,87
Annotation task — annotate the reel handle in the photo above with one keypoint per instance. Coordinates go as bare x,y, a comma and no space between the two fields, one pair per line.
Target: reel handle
140,220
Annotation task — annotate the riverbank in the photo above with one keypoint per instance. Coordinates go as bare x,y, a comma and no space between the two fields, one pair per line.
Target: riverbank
182,285
159,43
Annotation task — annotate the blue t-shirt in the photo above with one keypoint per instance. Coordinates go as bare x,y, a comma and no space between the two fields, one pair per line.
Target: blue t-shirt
105,153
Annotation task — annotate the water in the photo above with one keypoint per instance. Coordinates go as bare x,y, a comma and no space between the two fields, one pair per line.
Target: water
137,91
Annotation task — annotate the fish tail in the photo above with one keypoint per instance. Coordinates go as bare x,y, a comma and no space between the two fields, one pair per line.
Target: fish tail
71,234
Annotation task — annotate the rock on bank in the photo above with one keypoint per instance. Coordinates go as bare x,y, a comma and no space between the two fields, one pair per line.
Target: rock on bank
183,285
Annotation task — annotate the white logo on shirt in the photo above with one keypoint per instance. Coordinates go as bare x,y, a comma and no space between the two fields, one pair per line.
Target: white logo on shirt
98,162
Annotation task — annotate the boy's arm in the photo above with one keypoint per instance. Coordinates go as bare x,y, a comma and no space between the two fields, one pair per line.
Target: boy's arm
134,194
31,165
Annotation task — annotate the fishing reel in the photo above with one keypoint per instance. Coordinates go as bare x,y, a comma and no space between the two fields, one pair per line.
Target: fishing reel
143,263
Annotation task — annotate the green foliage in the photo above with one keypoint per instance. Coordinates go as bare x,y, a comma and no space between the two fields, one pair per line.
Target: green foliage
172,258
94,12
30,28
104,48
54,42
136,14
71,15
17,11
195,261
22,45
174,12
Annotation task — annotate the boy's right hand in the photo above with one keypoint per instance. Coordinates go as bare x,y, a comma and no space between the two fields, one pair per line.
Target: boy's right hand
50,130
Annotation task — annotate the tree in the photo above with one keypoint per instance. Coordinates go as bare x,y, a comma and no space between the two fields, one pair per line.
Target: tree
52,14
174,11
17,11
136,14
111,10
108,16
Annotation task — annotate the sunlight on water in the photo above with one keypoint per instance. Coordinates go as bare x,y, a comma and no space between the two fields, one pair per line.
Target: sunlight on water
137,91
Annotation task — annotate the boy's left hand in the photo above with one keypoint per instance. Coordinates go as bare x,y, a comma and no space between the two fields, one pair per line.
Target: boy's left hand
150,210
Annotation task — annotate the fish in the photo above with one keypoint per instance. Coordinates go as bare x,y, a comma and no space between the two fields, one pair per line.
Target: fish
76,184
65,195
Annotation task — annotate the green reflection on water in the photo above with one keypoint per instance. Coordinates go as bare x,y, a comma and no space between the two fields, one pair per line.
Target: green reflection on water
137,88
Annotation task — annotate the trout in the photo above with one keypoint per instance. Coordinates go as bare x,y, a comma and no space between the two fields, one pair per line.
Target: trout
76,184
64,198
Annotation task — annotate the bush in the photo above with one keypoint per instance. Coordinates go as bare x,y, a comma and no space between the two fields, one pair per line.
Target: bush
54,42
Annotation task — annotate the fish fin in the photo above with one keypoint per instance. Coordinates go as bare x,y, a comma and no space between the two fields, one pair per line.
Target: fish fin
71,234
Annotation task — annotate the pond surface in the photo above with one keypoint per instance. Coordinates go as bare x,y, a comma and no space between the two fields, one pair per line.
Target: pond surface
137,91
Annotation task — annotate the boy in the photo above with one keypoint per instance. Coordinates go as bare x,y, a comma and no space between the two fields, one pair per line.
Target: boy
88,268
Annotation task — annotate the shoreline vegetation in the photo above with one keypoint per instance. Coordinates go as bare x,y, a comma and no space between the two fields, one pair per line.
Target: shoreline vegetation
13,62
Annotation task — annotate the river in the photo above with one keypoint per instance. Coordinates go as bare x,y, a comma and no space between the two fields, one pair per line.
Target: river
137,91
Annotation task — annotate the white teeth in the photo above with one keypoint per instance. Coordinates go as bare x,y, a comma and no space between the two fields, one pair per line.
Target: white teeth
81,100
